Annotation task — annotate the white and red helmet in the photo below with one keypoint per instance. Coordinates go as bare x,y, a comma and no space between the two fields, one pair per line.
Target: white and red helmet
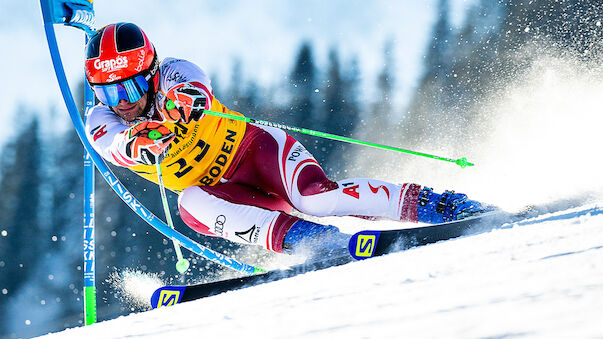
121,63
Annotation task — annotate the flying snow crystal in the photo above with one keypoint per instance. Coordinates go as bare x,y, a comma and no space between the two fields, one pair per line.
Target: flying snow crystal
545,132
534,141
135,287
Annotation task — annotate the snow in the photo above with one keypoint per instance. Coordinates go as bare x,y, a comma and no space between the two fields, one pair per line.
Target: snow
538,278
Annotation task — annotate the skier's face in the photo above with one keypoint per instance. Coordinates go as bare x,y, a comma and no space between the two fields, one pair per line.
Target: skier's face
130,111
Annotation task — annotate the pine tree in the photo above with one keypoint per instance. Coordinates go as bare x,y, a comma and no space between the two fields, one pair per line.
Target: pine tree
66,233
378,123
430,118
333,118
301,111
437,61
20,230
380,116
355,106
242,96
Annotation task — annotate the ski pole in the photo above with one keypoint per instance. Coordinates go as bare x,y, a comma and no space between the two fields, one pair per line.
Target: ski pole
460,161
182,264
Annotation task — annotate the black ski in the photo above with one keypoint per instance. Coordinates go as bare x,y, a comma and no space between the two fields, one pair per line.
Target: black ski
170,295
366,244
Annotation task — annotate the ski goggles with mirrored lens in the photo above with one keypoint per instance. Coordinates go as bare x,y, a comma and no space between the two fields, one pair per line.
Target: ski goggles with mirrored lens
131,90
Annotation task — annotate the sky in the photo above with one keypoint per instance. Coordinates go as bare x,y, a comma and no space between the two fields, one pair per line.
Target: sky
264,35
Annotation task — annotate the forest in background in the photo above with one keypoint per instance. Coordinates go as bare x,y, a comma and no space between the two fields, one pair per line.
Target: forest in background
41,172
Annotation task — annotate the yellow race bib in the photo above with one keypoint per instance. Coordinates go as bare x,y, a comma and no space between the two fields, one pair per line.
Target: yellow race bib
201,152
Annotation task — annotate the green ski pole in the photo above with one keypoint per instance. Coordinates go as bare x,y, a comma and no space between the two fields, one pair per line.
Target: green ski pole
182,264
460,161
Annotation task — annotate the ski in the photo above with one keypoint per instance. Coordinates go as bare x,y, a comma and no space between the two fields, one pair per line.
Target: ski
370,243
171,295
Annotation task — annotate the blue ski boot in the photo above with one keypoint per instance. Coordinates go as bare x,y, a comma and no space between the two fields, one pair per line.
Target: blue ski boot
314,239
435,208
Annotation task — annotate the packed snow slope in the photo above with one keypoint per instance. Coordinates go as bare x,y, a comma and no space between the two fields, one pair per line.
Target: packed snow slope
541,277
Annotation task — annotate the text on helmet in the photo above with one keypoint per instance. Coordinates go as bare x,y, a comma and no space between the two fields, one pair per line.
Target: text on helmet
111,65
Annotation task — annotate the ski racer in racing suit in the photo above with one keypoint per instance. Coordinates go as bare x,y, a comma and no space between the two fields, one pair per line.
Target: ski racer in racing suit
235,180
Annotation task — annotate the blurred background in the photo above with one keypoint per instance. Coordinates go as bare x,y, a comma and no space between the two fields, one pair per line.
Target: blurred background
513,85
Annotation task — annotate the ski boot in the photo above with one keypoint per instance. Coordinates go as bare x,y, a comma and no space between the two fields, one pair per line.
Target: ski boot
449,206
314,239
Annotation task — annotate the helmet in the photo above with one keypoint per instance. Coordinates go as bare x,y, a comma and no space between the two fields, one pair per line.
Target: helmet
121,63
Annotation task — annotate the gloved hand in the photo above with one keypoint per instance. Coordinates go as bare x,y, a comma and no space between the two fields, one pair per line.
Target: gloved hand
189,102
148,142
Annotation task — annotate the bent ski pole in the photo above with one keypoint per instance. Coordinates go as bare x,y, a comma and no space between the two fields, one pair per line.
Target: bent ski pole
460,161
182,264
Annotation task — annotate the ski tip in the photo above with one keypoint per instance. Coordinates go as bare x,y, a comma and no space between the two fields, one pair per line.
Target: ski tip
362,244
167,296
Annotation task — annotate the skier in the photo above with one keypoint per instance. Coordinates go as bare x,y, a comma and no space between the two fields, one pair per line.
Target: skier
235,180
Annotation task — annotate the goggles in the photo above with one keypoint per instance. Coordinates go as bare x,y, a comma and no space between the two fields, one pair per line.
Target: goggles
131,90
